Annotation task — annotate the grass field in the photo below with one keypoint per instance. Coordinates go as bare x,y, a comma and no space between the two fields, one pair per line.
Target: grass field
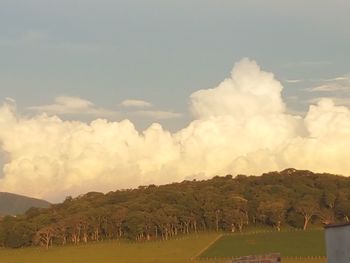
180,250
172,251
289,244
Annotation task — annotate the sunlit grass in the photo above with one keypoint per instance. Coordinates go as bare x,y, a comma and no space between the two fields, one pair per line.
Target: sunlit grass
172,251
289,243
180,250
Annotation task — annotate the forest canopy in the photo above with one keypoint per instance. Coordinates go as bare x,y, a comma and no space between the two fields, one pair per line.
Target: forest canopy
290,198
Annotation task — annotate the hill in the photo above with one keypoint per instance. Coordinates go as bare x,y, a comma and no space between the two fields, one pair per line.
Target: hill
13,204
288,199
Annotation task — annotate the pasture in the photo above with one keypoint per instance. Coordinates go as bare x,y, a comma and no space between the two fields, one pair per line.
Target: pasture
291,244
172,251
201,248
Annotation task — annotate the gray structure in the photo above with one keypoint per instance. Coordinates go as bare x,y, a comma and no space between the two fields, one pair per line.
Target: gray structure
338,243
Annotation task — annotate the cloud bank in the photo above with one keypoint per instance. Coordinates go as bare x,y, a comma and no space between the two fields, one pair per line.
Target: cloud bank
240,126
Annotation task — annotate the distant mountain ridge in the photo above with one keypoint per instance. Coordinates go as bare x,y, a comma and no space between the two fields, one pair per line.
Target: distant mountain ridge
13,204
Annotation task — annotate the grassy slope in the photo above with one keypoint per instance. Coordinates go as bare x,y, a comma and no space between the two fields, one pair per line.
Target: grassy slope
295,243
176,251
173,251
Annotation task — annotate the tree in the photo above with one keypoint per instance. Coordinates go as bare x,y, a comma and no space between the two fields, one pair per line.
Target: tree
342,205
236,212
307,207
273,212
326,216
45,236
118,218
16,232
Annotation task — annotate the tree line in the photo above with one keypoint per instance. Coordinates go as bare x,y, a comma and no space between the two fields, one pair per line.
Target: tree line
293,198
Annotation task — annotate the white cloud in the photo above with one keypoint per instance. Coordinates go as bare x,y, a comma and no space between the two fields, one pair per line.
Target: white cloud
136,103
10,100
336,84
158,115
329,88
241,126
72,105
242,95
341,78
293,81
336,100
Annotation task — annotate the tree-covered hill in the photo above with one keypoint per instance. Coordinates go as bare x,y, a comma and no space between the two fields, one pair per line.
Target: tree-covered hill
13,204
290,198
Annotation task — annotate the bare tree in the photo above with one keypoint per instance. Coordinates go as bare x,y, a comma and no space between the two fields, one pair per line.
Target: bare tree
307,208
45,236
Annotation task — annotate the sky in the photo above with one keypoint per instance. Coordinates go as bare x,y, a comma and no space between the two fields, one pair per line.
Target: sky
101,95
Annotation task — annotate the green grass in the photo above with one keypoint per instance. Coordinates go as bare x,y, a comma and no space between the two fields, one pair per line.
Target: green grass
172,251
284,260
304,260
290,244
298,245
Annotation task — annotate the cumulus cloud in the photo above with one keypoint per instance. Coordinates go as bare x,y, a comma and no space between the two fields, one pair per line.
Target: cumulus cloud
336,100
136,103
242,95
72,105
240,126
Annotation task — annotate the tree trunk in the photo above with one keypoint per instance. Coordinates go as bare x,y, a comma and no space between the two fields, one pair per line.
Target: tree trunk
233,228
120,231
306,221
278,226
217,220
240,226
